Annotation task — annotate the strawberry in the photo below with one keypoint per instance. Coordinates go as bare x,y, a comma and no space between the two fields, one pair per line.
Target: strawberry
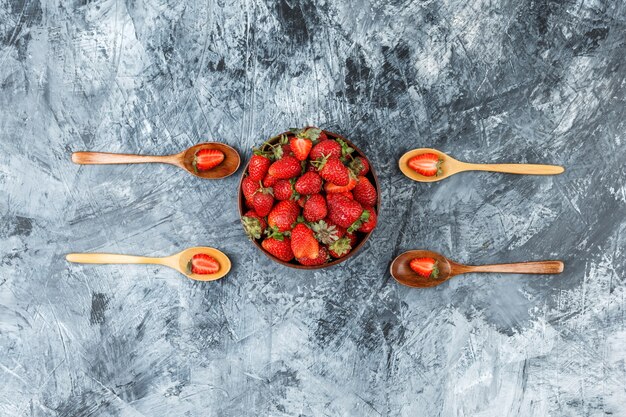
263,201
359,166
283,190
258,166
302,201
352,237
326,232
206,159
300,147
329,187
322,136
280,247
333,170
253,224
285,168
369,224
343,211
315,208
284,215
340,247
269,181
321,258
303,242
249,187
427,164
203,264
364,192
309,183
425,267
325,148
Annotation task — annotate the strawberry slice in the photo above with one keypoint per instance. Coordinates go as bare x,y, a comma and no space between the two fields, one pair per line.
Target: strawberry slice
425,267
203,264
427,164
206,159
300,147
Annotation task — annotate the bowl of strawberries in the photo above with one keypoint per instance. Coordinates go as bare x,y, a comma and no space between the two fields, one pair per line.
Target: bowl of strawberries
309,198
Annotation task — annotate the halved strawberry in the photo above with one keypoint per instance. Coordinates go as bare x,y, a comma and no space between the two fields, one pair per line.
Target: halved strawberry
206,159
425,267
203,264
300,147
427,164
329,187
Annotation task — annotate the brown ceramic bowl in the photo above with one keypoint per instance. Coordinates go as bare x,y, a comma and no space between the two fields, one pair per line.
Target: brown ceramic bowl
362,237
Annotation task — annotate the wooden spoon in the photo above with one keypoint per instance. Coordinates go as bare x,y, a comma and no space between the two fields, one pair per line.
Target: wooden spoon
183,160
451,166
403,273
177,261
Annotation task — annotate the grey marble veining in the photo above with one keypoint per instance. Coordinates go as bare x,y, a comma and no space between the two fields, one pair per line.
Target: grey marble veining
486,81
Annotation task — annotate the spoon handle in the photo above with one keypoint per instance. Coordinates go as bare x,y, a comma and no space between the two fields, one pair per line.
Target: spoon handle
538,267
110,258
105,158
530,169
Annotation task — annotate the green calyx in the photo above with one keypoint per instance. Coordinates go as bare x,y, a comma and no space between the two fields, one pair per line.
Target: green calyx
365,216
324,232
274,151
311,133
252,227
356,166
320,162
346,150
341,246
272,232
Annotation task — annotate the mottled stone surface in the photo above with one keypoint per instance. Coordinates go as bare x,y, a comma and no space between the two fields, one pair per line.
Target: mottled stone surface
486,81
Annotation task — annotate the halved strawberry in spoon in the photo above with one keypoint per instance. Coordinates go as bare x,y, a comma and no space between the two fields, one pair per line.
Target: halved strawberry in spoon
425,267
206,159
427,164
203,264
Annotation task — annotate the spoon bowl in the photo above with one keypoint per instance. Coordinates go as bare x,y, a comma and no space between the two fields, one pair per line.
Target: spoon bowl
183,160
450,166
401,271
178,261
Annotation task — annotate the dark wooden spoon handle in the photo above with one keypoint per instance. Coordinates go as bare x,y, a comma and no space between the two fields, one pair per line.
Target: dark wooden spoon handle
104,158
539,267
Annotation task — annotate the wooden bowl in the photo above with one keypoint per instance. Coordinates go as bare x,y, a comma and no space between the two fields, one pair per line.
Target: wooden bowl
362,237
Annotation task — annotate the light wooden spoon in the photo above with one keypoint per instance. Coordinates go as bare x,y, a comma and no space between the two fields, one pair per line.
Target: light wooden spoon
403,273
177,261
183,160
451,166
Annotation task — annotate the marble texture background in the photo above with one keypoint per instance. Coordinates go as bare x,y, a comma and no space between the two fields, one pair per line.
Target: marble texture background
485,80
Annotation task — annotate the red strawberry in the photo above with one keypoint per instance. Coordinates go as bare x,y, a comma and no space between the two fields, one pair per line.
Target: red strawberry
258,166
352,237
206,159
269,181
322,136
333,170
364,192
427,164
280,247
302,201
263,201
283,190
332,188
321,258
303,242
340,248
315,208
425,267
249,187
285,168
325,148
359,166
300,147
203,264
343,211
283,215
253,224
370,223
309,183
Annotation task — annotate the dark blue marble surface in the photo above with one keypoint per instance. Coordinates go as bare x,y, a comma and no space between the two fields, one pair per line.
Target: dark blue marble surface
486,81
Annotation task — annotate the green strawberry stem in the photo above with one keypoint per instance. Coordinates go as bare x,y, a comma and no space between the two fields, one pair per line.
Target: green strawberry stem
365,216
